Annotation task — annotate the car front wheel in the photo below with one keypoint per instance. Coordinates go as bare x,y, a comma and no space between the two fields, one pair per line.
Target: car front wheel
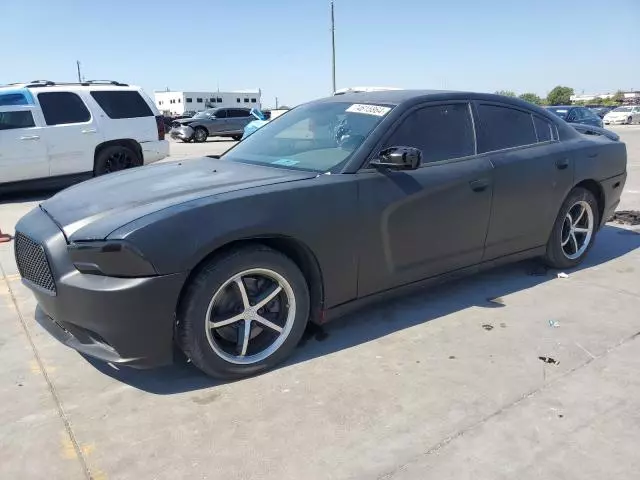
243,313
574,230
200,135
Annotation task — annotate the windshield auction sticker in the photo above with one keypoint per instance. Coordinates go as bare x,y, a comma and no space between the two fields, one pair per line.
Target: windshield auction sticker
377,110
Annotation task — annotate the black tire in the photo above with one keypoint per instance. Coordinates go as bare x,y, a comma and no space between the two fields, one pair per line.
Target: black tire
200,135
556,256
630,121
114,159
194,306
237,138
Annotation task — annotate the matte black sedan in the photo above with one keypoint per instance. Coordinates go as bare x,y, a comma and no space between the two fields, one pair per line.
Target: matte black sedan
573,114
336,203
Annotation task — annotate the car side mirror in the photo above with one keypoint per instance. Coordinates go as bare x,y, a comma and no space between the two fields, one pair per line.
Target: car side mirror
398,158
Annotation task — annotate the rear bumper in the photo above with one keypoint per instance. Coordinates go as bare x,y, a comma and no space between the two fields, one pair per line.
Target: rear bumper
612,188
154,151
120,320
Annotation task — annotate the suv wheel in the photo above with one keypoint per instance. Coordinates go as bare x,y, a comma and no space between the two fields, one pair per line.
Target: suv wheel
115,158
200,135
237,138
574,231
243,313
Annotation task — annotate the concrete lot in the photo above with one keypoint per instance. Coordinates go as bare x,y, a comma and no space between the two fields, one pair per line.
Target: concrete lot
445,384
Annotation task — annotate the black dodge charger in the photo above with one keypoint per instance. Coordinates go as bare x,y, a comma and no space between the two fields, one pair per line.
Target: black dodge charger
336,203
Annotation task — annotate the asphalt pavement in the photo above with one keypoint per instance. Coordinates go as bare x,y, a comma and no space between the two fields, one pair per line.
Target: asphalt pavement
512,374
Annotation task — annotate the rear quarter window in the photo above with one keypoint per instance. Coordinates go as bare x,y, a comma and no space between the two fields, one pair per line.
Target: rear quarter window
15,120
122,104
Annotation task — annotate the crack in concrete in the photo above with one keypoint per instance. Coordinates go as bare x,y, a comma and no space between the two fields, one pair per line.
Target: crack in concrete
50,385
390,474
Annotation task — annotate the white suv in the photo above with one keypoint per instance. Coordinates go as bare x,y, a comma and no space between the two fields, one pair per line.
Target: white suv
58,133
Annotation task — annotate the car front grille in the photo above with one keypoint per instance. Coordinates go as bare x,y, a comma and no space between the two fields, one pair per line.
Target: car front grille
32,262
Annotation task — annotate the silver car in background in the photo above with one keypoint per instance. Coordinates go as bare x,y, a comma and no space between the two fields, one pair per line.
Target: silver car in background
214,122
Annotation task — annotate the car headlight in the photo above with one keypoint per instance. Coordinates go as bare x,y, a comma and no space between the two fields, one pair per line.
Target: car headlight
113,258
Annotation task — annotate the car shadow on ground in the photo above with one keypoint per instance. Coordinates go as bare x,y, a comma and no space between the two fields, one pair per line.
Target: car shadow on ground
385,318
32,196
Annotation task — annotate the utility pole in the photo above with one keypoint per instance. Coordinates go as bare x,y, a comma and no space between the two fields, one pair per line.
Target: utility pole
79,76
276,103
333,49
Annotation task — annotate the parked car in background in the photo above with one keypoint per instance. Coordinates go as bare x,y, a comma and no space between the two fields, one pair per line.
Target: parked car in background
218,122
623,115
575,114
261,120
59,133
231,257
185,114
601,111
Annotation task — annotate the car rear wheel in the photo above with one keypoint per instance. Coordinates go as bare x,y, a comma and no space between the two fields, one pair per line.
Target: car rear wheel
574,230
629,120
243,313
237,138
114,159
200,135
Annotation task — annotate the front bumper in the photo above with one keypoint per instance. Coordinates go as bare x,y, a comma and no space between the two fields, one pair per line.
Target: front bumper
616,121
184,132
154,151
120,320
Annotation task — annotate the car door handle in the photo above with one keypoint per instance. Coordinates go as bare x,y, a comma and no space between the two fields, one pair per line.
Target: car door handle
479,185
562,163
30,137
89,130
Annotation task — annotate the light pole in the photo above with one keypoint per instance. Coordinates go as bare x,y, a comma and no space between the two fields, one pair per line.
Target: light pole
333,49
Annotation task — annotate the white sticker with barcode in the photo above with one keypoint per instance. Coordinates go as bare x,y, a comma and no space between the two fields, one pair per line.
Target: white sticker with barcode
377,110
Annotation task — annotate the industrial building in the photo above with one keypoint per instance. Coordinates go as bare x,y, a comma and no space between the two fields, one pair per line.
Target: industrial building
176,103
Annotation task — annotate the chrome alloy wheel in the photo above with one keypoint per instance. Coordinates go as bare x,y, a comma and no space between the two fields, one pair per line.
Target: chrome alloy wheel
250,316
577,230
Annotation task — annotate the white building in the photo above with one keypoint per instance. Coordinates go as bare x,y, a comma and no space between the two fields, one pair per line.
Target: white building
176,103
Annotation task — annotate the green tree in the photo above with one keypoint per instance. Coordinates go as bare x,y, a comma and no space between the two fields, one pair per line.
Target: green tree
560,95
506,93
596,101
531,98
619,96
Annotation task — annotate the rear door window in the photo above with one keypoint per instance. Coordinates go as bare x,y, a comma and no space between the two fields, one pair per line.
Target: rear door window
122,104
235,112
504,127
543,129
62,108
222,113
441,132
15,120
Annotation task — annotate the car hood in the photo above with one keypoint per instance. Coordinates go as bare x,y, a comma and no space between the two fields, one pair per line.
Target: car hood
95,208
617,114
186,121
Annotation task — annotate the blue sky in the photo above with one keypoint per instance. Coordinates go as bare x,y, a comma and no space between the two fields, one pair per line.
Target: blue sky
283,46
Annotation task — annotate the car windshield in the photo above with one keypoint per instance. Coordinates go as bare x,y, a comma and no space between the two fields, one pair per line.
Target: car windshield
205,114
561,112
623,109
315,137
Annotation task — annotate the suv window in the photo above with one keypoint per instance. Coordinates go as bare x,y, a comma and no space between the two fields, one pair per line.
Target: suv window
10,99
543,129
123,104
504,127
238,113
61,108
18,119
221,113
442,132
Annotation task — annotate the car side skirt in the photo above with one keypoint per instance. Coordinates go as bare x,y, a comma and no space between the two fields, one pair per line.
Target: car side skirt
349,307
